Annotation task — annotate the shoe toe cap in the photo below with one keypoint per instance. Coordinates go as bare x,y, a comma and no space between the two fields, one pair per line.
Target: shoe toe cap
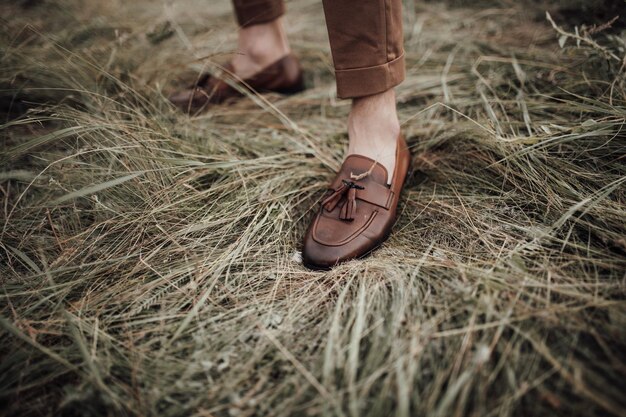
317,255
187,99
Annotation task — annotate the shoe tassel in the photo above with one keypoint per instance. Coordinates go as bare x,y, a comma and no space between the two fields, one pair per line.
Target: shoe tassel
348,211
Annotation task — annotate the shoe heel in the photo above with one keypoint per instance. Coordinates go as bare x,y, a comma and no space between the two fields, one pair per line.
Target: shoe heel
296,88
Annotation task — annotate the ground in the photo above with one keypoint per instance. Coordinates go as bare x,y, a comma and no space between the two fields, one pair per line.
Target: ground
150,262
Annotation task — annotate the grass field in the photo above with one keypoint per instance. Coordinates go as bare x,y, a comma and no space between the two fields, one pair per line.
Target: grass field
150,262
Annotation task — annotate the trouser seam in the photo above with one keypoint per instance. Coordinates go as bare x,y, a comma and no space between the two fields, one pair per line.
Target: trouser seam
386,30
363,81
372,66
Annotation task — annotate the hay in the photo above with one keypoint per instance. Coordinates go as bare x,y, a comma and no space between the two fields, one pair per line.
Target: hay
150,262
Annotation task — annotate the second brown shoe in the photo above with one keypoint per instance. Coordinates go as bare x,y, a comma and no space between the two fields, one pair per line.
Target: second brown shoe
358,212
283,76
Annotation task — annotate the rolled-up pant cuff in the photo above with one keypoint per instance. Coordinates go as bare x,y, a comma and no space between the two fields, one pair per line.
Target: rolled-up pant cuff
359,82
254,12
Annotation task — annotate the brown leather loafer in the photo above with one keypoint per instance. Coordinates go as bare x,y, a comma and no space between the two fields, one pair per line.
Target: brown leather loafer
358,212
283,76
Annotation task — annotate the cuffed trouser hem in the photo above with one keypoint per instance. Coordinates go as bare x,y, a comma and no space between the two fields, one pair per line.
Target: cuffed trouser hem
254,12
359,82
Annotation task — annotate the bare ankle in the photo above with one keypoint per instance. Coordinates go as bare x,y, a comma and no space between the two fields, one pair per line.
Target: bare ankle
260,45
373,128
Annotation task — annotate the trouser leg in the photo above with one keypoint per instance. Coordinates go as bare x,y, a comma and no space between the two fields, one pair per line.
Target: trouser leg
366,42
253,12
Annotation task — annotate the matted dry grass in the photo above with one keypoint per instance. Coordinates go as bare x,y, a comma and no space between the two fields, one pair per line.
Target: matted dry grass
150,261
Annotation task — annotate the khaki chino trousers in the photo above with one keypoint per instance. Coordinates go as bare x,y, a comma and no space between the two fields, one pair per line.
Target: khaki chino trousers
365,36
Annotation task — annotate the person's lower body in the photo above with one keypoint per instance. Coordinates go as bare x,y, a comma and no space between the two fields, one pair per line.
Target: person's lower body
366,42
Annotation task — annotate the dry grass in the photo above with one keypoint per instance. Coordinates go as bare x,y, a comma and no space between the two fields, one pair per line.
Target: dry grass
150,261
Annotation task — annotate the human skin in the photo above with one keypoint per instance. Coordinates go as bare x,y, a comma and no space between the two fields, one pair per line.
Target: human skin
373,125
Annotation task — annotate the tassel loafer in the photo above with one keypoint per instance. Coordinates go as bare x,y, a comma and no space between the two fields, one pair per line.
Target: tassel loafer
283,76
358,212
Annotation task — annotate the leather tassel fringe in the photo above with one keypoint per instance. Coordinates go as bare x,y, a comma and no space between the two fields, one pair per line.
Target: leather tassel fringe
349,208
331,202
